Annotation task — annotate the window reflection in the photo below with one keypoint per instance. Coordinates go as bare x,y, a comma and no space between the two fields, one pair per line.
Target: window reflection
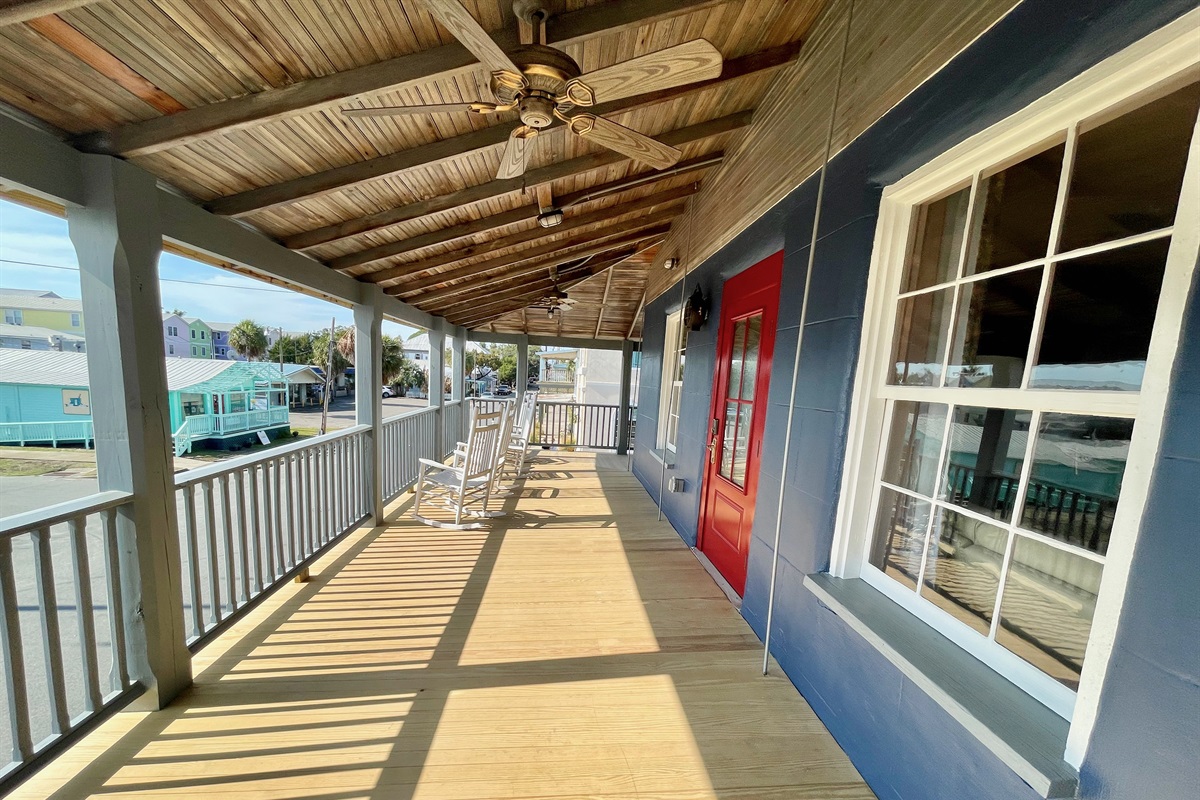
899,538
1128,172
938,243
1017,207
922,324
914,444
1099,320
993,330
1075,480
1046,613
962,569
983,466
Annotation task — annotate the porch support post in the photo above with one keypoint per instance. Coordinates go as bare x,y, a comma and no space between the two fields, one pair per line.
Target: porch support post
368,383
458,373
437,380
626,391
118,238
522,366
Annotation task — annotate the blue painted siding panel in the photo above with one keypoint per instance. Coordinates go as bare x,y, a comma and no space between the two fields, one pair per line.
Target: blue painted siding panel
906,746
25,403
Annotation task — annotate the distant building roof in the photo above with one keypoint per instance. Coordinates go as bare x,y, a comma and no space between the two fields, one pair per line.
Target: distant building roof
419,341
224,327
36,332
47,302
303,373
28,292
52,368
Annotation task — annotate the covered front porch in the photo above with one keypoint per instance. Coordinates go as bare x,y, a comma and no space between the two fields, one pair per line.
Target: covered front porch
577,648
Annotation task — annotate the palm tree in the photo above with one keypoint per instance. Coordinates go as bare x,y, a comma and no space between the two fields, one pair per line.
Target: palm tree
345,343
393,360
249,339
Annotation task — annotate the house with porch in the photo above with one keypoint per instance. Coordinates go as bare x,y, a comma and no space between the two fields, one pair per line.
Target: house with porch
911,510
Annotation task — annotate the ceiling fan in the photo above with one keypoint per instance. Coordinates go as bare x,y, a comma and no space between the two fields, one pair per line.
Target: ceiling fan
556,300
542,84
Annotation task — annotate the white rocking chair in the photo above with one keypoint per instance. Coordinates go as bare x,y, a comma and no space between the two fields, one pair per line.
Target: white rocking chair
517,444
467,480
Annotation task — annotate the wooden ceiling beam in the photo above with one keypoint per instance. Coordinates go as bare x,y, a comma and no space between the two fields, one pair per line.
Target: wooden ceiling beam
636,314
498,188
506,218
394,164
534,237
433,64
14,11
603,303
417,290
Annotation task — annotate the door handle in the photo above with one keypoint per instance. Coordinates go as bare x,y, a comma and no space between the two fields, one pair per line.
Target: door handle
712,451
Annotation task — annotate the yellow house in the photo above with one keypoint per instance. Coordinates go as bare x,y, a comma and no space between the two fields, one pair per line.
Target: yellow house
41,309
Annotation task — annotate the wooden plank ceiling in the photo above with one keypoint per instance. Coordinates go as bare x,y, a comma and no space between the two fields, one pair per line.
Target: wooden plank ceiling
238,104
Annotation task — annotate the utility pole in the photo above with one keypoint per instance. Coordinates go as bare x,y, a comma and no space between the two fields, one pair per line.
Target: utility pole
328,377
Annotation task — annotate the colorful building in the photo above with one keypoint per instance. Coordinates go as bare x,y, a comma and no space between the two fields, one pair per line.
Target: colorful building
41,309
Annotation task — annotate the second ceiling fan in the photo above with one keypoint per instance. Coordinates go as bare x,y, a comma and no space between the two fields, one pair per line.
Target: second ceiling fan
542,84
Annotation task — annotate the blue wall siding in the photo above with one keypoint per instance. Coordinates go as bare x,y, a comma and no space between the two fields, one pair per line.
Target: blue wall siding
904,744
28,403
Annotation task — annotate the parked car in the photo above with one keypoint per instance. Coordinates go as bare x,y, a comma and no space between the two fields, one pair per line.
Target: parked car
387,392
503,390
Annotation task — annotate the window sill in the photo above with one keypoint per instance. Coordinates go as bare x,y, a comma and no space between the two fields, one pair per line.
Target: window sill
665,457
1023,733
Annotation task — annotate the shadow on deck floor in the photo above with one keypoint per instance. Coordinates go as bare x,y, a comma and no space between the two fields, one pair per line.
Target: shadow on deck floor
574,649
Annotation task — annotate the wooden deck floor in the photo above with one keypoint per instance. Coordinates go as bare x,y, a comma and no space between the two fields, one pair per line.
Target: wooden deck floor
576,649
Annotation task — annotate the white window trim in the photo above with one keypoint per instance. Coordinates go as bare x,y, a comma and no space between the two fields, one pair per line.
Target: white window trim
670,365
1169,55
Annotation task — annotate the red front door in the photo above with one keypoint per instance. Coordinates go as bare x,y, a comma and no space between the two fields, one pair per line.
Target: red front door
745,341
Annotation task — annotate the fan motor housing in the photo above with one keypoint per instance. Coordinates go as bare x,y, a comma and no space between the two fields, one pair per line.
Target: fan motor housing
547,71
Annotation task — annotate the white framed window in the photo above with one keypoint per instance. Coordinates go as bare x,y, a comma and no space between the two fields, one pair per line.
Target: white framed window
26,344
193,333
193,349
171,349
13,316
1026,295
75,320
671,388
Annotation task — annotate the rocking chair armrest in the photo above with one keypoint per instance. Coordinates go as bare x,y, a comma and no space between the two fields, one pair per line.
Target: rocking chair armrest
428,462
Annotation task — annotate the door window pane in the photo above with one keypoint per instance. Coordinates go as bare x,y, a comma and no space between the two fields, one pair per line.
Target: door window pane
1075,480
727,436
1017,207
983,467
922,326
1128,172
750,364
736,359
993,330
962,569
899,539
938,244
1047,608
1099,319
741,445
914,444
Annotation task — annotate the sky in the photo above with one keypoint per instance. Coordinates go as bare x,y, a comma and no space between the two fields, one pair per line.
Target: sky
36,253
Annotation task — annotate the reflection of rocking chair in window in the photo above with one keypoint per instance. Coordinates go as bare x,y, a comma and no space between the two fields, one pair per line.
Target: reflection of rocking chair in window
517,445
468,479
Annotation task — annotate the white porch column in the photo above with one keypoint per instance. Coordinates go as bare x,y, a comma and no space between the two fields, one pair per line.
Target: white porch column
458,375
626,391
368,384
437,379
522,366
118,239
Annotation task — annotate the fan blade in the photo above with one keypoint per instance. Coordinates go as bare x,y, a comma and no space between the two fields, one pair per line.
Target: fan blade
459,22
689,62
512,163
432,108
625,141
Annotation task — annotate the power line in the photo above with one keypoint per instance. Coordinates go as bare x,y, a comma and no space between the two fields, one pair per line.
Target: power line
162,280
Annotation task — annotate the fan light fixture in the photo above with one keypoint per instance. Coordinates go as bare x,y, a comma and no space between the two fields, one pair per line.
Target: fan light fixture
548,219
670,263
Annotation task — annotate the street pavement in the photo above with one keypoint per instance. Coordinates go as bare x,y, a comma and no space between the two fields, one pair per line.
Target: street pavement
341,412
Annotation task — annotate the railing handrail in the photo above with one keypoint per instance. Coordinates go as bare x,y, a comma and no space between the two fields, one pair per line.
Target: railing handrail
573,403
416,412
17,524
200,474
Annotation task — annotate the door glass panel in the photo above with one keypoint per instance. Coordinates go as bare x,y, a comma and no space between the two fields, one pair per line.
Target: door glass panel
962,569
731,416
750,364
914,444
1128,172
922,327
1075,480
983,467
993,330
938,246
1017,205
736,360
1098,323
900,524
741,446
